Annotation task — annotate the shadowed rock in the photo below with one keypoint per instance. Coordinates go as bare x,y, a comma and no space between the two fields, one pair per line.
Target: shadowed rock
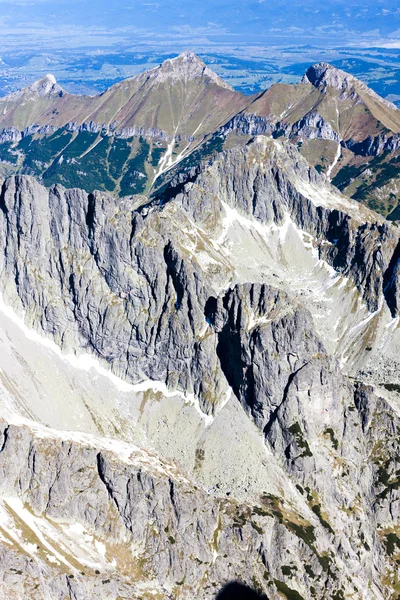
238,591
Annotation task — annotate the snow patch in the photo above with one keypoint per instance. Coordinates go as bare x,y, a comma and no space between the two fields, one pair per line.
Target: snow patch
232,216
321,196
87,362
335,161
127,453
257,321
30,520
58,541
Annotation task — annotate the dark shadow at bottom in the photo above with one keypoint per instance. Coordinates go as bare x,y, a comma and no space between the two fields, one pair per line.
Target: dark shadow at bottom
238,591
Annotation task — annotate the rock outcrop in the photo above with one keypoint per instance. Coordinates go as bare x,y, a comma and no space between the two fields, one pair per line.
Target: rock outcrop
157,289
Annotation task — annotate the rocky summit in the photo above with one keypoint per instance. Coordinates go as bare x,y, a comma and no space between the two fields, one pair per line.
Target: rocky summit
199,374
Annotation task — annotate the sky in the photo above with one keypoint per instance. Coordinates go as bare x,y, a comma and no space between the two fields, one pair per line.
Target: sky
104,23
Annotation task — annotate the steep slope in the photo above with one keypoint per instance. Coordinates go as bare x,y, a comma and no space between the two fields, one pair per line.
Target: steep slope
386,114
344,128
102,255
127,139
121,139
177,93
195,298
38,104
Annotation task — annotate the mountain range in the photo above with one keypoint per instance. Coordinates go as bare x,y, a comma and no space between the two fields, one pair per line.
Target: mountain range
124,140
199,379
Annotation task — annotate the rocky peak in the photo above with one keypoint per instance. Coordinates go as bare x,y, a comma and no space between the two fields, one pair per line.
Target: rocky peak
46,86
325,74
186,67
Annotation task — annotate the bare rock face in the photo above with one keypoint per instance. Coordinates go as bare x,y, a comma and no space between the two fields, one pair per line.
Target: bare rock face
313,126
157,530
264,342
122,291
183,68
101,274
47,86
269,180
324,74
157,289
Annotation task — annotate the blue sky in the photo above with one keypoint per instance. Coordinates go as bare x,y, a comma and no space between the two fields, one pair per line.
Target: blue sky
309,21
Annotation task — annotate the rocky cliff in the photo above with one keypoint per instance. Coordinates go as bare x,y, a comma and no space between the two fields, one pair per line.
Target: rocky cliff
245,312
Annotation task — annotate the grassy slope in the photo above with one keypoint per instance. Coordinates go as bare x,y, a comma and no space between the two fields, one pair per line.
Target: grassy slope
195,103
353,116
192,107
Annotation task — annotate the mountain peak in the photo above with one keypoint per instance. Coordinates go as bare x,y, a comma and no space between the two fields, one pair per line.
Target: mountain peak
188,55
325,74
185,67
46,86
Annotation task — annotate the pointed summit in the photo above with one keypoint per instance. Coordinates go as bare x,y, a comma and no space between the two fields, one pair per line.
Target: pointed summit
325,74
188,55
46,86
186,67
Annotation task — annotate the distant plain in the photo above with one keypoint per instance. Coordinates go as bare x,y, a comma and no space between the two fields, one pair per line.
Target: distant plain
248,69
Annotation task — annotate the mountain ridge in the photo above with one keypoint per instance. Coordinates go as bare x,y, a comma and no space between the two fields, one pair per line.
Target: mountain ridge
326,74
250,304
184,68
158,118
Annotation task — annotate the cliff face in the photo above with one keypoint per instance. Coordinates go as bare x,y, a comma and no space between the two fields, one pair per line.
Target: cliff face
145,528
84,515
102,274
245,308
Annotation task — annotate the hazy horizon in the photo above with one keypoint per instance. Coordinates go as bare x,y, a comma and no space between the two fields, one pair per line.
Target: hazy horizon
92,44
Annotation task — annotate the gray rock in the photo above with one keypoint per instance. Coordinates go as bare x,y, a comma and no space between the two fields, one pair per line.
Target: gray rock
119,279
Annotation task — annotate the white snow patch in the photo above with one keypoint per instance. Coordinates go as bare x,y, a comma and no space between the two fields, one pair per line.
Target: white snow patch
100,547
166,160
83,362
393,324
324,197
26,516
127,453
52,559
335,161
232,216
228,396
58,540
257,321
86,362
